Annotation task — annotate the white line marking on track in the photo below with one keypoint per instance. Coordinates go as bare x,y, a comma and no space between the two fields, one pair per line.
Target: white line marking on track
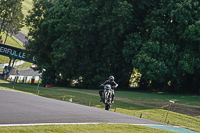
41,124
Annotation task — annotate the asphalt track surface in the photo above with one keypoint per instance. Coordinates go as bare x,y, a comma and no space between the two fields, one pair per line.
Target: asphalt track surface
21,37
17,108
21,108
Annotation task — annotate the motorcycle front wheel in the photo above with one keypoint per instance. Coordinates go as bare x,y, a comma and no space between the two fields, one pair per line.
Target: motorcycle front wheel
107,107
105,98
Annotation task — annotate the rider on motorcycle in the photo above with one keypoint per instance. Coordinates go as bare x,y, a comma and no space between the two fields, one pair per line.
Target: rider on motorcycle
113,85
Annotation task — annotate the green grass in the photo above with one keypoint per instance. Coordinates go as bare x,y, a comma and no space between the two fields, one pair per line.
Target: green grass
12,42
25,30
3,81
89,128
153,96
4,59
128,108
26,6
160,97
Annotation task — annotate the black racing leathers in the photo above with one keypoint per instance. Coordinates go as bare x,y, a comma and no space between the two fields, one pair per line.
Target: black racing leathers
112,84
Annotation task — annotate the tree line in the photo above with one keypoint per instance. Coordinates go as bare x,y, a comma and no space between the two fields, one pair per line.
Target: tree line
89,40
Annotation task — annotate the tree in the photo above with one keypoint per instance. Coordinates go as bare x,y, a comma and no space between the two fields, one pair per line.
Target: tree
166,51
94,34
40,45
11,20
82,38
15,22
5,8
94,39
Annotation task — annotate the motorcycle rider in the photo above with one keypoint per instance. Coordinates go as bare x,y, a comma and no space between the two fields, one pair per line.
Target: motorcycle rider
113,85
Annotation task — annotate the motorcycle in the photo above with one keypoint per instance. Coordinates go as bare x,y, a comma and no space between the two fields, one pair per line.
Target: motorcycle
107,96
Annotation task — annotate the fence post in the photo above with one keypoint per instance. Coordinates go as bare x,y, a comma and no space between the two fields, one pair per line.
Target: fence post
170,101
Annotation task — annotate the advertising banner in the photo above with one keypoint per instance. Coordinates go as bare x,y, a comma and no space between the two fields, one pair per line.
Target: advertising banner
15,53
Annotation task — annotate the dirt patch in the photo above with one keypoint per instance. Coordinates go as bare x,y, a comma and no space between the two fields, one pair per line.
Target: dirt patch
176,107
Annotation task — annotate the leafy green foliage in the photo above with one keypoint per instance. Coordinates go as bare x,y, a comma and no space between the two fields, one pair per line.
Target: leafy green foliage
168,46
95,39
11,20
82,38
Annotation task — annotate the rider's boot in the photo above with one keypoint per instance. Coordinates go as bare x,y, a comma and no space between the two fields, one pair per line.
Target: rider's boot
101,99
112,99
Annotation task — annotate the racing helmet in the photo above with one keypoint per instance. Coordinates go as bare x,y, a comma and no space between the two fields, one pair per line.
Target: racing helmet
111,78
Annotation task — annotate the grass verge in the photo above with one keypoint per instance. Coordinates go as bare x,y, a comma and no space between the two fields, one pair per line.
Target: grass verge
26,6
89,128
90,97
